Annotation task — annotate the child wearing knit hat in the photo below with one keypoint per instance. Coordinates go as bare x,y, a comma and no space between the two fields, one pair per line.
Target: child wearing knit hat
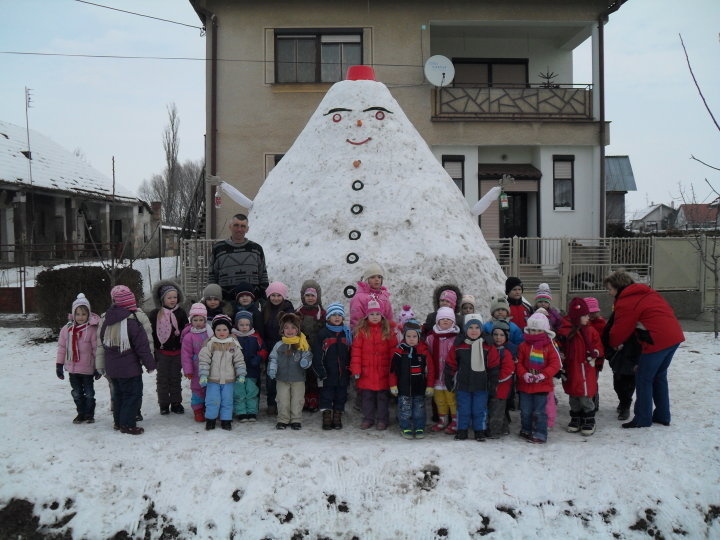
312,320
212,299
372,349
538,362
467,305
276,305
500,311
598,323
246,393
543,299
193,338
331,364
168,320
501,371
76,355
447,295
411,377
581,345
370,288
520,309
440,340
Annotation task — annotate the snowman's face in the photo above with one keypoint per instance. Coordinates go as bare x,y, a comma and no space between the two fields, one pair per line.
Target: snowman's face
359,126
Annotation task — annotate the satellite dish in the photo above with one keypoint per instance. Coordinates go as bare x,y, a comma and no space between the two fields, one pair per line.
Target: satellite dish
439,70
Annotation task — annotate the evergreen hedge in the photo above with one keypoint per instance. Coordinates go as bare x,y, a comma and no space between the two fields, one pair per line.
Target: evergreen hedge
56,290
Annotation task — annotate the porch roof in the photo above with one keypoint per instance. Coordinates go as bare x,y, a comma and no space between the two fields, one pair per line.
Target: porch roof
519,171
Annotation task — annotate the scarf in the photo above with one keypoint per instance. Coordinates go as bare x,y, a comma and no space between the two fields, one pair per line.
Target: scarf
75,334
537,357
341,328
238,333
228,339
207,329
476,356
452,330
309,311
300,341
116,335
166,321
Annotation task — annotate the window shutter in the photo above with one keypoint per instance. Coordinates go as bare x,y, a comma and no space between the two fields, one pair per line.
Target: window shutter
454,169
563,169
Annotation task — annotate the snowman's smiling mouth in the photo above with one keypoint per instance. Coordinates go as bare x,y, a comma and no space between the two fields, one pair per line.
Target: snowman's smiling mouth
358,143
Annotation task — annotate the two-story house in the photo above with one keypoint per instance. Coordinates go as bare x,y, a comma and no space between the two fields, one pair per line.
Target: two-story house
513,109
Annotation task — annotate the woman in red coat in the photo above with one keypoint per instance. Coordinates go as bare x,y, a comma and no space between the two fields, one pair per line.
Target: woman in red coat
640,310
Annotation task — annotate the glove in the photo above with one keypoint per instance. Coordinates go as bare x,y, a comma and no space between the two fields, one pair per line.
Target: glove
539,377
429,391
528,377
394,390
150,370
203,381
59,372
241,380
97,375
591,361
356,376
188,375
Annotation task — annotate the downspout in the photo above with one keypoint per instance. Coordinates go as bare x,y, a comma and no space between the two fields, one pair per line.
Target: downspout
212,141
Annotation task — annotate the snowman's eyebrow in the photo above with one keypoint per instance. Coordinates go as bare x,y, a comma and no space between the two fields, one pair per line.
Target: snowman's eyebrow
337,109
377,109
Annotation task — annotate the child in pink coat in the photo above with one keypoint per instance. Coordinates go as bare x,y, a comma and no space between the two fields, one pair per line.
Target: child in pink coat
193,338
371,288
76,355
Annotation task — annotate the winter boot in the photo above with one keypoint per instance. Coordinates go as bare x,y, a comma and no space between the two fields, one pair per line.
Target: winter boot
79,419
177,408
576,420
623,414
588,424
407,433
327,420
480,435
226,425
210,424
164,409
452,427
199,415
337,419
461,435
420,433
441,424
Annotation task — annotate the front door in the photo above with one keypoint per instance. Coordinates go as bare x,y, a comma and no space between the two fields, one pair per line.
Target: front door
513,220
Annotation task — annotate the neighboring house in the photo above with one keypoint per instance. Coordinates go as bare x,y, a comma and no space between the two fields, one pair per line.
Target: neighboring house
697,216
499,117
56,206
619,179
654,218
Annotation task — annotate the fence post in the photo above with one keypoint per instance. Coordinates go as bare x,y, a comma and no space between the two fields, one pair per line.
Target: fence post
703,275
565,265
651,280
515,262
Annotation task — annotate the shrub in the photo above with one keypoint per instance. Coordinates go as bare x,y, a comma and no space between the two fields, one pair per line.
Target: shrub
56,290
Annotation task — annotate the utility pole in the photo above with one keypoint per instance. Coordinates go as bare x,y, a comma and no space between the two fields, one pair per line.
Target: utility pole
24,239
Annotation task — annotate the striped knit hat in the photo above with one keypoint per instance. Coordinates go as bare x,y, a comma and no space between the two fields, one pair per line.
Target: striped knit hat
197,309
123,297
543,293
336,308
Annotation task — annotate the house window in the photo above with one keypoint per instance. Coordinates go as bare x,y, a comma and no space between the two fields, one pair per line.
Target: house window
503,73
564,182
271,161
455,167
315,56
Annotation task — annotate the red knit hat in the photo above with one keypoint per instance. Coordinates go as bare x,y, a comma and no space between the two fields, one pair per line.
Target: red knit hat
577,309
123,297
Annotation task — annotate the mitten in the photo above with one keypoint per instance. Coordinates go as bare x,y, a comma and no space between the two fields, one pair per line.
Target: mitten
150,370
203,381
429,391
241,380
188,375
394,390
528,377
539,377
591,361
59,372
356,376
97,375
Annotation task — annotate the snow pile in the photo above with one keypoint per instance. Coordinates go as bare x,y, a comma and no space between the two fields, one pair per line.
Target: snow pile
360,185
256,482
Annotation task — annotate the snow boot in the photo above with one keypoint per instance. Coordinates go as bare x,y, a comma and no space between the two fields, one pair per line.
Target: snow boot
461,435
480,435
420,433
177,408
199,415
79,419
164,409
297,426
337,419
407,433
327,420
210,424
623,414
452,427
134,430
442,423
576,420
226,425
90,420
588,424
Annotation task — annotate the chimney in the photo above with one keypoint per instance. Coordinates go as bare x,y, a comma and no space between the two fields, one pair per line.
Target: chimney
156,208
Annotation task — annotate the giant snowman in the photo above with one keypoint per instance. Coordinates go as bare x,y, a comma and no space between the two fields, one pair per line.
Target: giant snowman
360,185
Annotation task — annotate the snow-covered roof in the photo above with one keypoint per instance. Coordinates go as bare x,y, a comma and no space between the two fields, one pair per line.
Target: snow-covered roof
645,212
53,167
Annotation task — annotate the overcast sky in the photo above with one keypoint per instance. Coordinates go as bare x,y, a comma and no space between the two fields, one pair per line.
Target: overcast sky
117,107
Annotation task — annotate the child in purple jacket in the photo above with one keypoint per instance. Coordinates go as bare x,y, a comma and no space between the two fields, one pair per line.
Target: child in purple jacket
193,338
76,355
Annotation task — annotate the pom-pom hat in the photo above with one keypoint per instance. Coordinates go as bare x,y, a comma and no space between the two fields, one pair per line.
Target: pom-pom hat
577,309
81,300
405,315
543,293
123,297
538,321
197,310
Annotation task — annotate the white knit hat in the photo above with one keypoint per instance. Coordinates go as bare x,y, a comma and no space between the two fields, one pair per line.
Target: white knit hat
538,321
81,301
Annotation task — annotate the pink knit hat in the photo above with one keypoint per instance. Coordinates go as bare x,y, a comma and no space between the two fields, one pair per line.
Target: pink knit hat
445,313
373,306
592,304
123,297
197,309
276,287
450,296
405,315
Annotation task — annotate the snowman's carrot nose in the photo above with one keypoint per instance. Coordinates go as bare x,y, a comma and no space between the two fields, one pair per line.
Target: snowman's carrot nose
359,123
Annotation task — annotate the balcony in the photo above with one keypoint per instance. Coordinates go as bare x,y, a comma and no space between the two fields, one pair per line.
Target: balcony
558,102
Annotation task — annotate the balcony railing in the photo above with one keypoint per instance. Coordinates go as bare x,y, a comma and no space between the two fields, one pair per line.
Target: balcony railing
533,101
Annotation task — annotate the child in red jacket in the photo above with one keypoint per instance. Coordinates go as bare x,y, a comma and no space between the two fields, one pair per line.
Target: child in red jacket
598,323
501,368
538,362
582,347
372,349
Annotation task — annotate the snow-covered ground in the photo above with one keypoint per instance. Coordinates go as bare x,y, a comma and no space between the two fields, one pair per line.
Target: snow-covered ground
148,268
256,482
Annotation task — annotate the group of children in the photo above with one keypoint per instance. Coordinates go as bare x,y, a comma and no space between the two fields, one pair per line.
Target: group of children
471,369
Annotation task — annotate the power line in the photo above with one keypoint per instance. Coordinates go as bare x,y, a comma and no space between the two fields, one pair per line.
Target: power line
202,29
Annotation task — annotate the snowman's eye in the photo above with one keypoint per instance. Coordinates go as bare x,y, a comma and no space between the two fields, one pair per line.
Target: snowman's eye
337,117
380,115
